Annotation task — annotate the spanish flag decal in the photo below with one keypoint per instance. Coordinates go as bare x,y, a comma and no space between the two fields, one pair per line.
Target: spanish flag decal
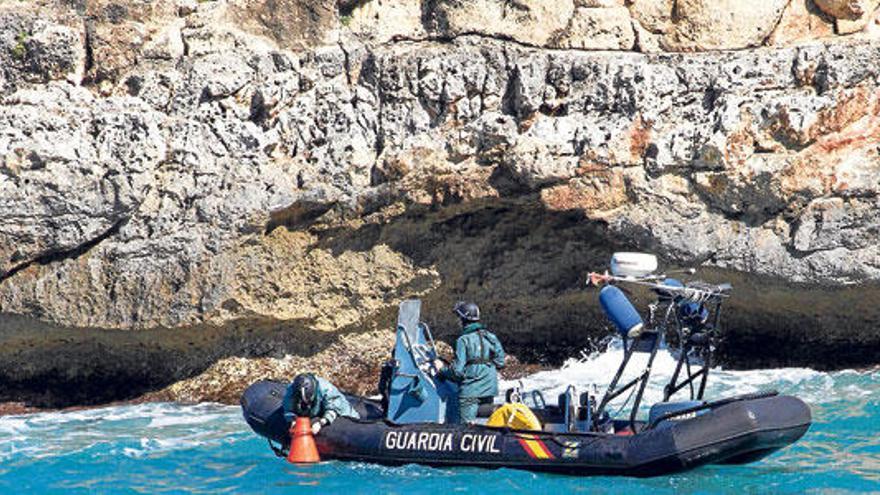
534,447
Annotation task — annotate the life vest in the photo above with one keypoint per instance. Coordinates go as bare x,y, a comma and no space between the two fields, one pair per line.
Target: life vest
481,333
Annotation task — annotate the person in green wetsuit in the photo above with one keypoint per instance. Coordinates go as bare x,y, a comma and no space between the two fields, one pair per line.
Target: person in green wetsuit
315,397
478,356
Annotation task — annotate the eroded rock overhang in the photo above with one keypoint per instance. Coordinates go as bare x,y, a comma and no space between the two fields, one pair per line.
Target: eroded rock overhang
219,176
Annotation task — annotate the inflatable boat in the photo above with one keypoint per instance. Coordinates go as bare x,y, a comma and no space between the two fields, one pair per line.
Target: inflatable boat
415,421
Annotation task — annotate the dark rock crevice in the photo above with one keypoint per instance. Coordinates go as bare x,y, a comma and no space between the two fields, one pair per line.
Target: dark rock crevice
526,267
60,255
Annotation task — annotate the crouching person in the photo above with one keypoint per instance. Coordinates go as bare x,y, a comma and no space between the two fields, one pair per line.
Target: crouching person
316,398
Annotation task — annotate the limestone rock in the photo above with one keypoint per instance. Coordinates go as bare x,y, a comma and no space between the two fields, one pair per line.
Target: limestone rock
385,20
534,22
55,52
74,169
117,32
653,15
872,30
847,25
167,44
826,224
850,16
599,3
722,24
210,30
802,21
215,177
292,24
115,48
595,194
646,41
38,46
843,9
599,29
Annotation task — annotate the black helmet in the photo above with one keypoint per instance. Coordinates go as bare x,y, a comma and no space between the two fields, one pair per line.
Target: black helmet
305,392
467,311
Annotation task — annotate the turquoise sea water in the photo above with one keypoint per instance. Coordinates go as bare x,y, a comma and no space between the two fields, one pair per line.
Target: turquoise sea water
207,448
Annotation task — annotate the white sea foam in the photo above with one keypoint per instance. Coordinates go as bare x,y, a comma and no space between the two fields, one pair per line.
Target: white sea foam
133,430
167,420
595,371
13,425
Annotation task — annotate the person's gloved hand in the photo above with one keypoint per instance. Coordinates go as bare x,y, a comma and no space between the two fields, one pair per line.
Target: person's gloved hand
316,428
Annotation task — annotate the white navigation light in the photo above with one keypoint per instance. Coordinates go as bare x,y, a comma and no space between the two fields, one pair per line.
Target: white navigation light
633,264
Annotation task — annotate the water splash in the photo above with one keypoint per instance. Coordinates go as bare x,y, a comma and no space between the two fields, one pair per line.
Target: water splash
594,372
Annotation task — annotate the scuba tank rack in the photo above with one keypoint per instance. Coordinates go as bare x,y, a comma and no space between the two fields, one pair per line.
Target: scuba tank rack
696,338
689,312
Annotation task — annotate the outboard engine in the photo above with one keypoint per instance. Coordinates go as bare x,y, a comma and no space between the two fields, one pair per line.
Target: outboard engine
262,410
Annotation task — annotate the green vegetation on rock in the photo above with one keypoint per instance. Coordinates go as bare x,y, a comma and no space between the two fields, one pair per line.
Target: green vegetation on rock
19,50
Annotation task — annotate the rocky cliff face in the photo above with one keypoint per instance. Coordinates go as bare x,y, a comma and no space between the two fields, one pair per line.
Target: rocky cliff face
296,168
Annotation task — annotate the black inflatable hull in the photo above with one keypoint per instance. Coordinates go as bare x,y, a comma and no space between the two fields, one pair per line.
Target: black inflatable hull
739,432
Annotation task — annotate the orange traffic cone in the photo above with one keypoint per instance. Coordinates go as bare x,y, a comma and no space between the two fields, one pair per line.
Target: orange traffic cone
302,443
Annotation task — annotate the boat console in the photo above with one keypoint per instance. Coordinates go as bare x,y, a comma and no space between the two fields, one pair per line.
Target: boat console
414,393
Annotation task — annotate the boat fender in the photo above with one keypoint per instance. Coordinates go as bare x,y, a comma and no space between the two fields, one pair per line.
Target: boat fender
621,312
516,416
